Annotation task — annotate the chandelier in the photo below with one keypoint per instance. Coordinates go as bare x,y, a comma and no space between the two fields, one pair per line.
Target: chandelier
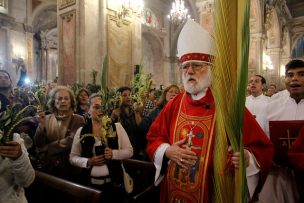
129,7
178,13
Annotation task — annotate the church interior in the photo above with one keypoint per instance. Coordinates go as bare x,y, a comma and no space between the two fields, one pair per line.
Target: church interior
69,39
106,43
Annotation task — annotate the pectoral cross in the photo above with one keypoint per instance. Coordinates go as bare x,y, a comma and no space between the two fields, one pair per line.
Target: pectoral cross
190,137
288,138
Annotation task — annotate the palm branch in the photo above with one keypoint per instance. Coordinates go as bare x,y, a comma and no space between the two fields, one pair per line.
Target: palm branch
104,78
230,72
10,119
140,84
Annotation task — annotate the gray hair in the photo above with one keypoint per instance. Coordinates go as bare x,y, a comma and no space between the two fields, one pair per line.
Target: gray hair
52,94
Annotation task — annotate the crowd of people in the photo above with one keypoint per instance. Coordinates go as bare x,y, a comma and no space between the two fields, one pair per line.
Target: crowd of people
286,105
77,138
73,136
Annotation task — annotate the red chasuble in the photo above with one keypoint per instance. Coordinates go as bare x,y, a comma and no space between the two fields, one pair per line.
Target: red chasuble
182,117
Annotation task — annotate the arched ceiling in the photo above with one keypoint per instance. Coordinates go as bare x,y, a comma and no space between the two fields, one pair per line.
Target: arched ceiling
296,8
46,19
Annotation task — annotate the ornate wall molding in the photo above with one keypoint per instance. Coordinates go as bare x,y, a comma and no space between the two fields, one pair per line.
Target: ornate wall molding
6,21
68,16
65,3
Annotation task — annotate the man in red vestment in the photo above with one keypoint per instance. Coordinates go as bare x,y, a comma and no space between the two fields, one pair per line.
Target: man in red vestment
181,140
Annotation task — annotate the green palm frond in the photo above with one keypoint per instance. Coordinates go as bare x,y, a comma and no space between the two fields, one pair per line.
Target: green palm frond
230,71
140,84
104,78
10,119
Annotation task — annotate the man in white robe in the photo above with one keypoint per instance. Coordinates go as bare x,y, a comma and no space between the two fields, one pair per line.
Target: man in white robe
280,186
257,101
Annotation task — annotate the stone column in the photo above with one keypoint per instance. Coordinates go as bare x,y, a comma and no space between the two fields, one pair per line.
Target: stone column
173,60
3,48
68,18
29,45
6,23
43,73
257,40
274,75
136,41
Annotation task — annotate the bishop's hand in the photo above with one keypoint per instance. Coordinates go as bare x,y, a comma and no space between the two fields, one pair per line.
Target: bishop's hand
181,154
236,158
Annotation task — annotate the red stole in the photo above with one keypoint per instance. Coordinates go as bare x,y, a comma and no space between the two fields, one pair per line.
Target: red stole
191,185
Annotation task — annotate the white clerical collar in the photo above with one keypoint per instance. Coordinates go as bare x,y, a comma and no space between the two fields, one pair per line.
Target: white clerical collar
199,95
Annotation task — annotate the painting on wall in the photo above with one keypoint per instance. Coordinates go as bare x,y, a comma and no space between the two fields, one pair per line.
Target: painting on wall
119,53
150,19
68,49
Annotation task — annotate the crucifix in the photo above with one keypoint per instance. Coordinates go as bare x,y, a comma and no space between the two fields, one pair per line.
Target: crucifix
190,137
288,138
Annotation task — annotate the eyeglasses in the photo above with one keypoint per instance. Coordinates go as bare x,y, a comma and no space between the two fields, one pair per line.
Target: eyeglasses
99,107
195,66
63,98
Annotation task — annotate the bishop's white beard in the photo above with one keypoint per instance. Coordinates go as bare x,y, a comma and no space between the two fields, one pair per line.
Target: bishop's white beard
201,84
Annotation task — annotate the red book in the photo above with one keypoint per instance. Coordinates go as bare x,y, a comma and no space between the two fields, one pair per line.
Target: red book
282,135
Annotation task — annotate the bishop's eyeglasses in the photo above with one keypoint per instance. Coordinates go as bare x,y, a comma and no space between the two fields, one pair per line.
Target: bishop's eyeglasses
195,66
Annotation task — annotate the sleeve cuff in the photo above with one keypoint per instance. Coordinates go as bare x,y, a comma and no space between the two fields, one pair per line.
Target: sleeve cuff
158,160
253,167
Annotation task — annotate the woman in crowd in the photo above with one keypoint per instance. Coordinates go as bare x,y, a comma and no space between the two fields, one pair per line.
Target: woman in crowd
145,123
125,114
55,133
97,146
82,102
16,171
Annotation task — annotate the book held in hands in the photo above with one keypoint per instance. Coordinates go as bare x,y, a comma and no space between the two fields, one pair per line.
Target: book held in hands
283,134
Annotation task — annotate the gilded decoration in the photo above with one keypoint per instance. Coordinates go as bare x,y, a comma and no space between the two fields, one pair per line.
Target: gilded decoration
66,3
68,47
119,53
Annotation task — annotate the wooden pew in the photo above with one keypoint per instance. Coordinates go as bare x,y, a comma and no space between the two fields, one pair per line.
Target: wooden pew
49,188
143,173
